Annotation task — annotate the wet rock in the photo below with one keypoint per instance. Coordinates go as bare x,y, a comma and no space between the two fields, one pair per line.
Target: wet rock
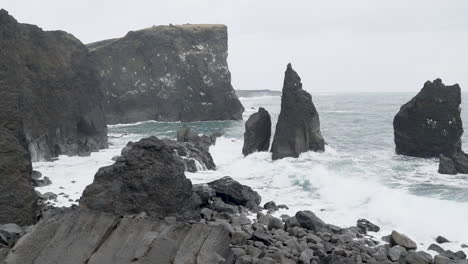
57,87
41,182
443,260
446,165
195,156
430,124
298,127
263,237
270,206
416,258
460,255
257,132
186,134
436,248
402,240
365,225
274,223
219,206
464,246
147,178
167,73
441,240
396,252
309,220
453,163
49,196
232,192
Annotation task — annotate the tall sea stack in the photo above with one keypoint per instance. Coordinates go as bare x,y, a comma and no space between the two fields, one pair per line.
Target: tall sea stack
167,73
298,127
58,89
429,125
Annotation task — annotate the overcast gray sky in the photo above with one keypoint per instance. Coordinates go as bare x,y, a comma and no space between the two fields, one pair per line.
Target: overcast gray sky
335,46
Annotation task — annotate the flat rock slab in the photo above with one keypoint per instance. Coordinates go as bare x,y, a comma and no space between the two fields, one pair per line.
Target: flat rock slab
87,236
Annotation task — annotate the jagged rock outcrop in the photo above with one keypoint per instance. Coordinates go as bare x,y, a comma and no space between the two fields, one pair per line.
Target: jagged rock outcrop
18,200
298,127
429,125
93,237
57,86
167,73
232,192
194,156
147,177
257,132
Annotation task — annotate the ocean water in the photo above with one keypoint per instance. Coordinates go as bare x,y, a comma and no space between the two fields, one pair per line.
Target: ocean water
358,175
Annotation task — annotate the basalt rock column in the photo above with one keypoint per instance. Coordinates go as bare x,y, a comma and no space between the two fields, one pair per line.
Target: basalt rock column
257,132
298,127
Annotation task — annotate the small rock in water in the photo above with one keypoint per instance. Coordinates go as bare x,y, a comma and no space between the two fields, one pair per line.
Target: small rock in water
365,225
464,246
436,248
49,196
36,175
41,182
441,240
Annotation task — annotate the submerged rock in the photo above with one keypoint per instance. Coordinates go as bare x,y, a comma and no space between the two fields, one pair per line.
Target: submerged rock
257,132
430,124
58,89
298,127
148,177
167,73
446,165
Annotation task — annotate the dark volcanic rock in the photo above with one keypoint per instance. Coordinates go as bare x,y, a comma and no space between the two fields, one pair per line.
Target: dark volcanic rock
441,240
402,240
167,73
18,200
148,177
58,89
232,192
430,124
446,165
365,225
257,132
87,236
309,220
453,163
298,127
193,155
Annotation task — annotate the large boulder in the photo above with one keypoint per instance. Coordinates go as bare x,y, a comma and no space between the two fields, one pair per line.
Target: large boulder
87,236
147,177
257,132
298,127
307,219
232,192
430,124
59,88
167,73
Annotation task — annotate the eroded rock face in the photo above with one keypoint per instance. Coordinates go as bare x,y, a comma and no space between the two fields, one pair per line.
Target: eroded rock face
94,237
257,132
18,200
430,124
58,87
147,177
167,73
298,127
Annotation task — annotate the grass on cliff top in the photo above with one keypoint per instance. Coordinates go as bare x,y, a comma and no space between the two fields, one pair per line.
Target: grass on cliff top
192,27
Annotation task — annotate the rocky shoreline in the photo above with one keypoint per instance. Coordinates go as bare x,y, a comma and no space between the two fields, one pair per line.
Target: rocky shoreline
177,222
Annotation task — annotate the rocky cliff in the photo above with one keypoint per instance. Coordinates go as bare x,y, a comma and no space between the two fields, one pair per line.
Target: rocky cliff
257,132
167,73
18,200
430,124
298,127
58,87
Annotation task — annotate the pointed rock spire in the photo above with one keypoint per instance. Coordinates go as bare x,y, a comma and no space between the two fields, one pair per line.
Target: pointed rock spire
298,127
